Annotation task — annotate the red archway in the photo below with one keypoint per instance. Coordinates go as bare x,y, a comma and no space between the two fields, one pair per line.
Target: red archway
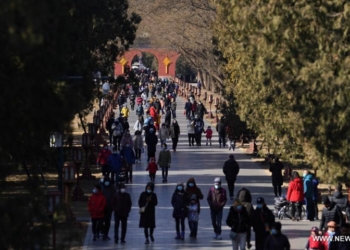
166,61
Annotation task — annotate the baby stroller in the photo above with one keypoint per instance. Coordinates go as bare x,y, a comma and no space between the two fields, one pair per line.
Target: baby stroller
280,203
283,209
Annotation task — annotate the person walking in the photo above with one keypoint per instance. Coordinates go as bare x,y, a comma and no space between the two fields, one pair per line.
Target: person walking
117,132
330,212
198,130
129,156
190,132
277,240
138,145
163,133
151,142
245,197
208,134
126,140
262,222
96,207
103,158
239,221
217,200
188,109
108,191
164,161
167,117
148,200
231,170
178,201
277,178
173,107
193,216
115,163
121,204
309,195
174,133
295,195
152,169
221,129
315,182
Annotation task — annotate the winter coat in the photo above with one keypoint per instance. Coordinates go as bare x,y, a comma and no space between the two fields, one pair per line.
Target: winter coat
221,128
344,245
340,199
277,242
276,170
153,113
125,112
188,106
109,124
128,154
115,162
314,244
308,186
208,133
138,142
332,213
137,126
103,156
194,190
330,245
217,198
121,204
178,201
96,205
108,192
152,168
198,126
151,141
174,131
163,133
239,222
126,139
295,191
157,106
167,117
231,170
190,128
261,217
315,183
193,212
148,218
164,158
201,110
173,106
245,198
139,100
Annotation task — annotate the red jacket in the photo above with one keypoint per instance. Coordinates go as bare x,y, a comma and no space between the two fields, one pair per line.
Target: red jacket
153,113
152,168
103,156
295,190
139,100
209,133
315,244
96,206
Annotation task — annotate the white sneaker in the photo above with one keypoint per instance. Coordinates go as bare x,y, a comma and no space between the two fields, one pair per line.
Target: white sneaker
218,237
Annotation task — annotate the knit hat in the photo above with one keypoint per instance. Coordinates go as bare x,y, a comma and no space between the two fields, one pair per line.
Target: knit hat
217,180
325,200
260,200
193,197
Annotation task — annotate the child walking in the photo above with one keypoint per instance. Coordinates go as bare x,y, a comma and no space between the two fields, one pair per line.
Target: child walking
312,242
152,169
193,216
209,135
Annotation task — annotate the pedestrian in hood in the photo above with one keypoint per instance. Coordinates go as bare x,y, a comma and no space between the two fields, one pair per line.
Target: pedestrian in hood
231,170
295,195
245,197
96,207
277,240
178,201
108,191
148,199
174,133
164,161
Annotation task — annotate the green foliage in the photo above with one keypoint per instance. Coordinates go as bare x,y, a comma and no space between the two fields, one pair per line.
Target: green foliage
184,67
288,65
150,61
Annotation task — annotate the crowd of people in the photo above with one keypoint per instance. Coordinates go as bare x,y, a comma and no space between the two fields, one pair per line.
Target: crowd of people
111,196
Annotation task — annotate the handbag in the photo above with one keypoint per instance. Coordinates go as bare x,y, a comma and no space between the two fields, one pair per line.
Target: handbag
143,209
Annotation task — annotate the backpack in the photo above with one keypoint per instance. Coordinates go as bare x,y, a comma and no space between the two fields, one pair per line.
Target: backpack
117,131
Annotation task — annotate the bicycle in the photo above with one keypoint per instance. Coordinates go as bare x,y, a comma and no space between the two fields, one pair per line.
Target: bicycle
285,212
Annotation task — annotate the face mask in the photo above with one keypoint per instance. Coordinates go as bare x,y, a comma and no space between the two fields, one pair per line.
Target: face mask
273,231
304,175
217,186
107,183
330,232
149,191
179,188
191,184
239,207
122,190
259,205
94,191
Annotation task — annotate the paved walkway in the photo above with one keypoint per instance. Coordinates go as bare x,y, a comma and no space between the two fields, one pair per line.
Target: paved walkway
204,164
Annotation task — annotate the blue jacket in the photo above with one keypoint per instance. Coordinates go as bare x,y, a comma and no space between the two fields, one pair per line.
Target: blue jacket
114,162
128,154
308,186
315,183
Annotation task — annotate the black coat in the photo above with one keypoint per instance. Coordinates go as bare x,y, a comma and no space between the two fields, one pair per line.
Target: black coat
333,213
221,128
276,170
151,141
167,118
178,201
239,222
277,242
261,217
231,170
148,218
174,130
121,204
